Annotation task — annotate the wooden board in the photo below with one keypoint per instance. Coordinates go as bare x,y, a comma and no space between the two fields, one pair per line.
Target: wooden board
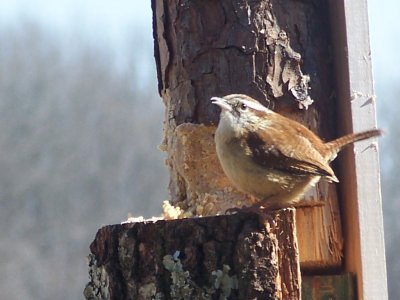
360,188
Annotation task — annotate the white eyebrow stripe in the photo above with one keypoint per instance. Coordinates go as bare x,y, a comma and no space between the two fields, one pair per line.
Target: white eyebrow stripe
255,105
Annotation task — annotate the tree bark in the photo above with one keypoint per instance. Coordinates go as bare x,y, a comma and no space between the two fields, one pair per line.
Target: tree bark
231,256
272,49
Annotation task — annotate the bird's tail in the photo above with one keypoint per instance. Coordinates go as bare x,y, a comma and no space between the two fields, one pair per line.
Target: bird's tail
336,145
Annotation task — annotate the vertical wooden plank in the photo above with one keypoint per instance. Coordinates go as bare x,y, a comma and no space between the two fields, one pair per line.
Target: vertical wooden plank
360,185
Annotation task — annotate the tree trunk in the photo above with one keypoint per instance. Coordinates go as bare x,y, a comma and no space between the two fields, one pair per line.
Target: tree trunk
230,256
267,49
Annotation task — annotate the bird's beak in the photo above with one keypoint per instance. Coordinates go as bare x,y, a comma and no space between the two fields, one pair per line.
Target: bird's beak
221,102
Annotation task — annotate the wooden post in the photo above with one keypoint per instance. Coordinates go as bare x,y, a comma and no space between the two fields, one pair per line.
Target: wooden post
360,188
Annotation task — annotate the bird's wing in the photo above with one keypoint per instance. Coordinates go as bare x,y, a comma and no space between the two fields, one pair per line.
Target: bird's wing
296,157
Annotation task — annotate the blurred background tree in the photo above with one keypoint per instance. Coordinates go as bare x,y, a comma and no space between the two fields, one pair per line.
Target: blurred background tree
80,123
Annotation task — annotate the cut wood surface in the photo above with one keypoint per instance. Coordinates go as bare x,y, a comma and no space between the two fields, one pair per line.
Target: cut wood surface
197,258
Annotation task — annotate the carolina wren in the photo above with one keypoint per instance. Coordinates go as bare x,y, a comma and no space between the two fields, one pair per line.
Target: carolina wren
272,157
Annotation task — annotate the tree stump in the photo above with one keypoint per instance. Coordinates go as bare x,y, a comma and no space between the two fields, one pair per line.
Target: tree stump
221,257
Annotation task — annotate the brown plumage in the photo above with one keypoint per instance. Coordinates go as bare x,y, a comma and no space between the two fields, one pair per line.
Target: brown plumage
270,156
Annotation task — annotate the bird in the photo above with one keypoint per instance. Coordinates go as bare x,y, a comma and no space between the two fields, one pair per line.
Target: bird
272,157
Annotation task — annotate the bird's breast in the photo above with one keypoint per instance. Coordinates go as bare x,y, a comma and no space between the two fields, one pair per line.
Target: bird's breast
249,177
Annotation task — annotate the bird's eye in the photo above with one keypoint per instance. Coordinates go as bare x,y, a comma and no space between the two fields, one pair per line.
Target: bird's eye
243,106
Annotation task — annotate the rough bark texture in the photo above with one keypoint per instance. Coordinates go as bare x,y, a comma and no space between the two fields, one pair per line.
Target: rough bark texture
267,48
222,257
205,48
